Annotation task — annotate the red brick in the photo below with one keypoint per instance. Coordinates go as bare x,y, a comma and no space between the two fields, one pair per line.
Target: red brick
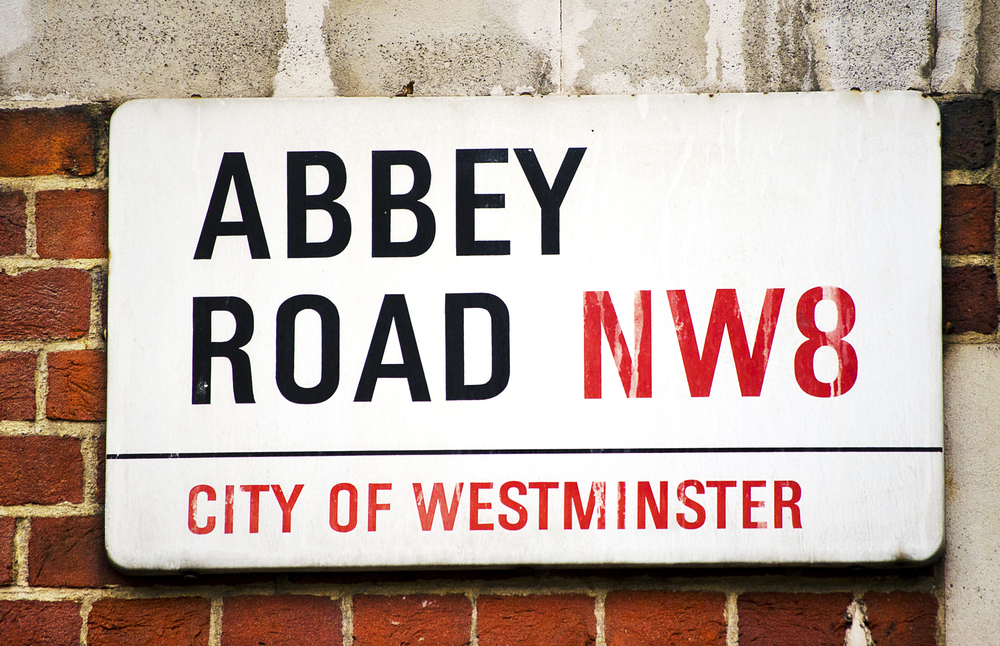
72,223
968,134
149,622
7,550
46,142
665,618
967,219
52,303
101,448
78,384
40,470
413,620
17,385
68,552
902,618
969,300
783,619
39,623
286,620
542,620
13,221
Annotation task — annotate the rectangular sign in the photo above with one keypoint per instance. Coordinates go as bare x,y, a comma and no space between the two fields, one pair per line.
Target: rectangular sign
497,331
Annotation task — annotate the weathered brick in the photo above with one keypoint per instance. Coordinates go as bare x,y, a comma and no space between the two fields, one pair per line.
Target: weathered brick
46,142
967,219
285,620
77,386
68,552
72,223
7,526
785,619
47,304
13,221
654,618
968,134
148,622
40,470
564,619
969,301
17,385
902,618
412,620
39,623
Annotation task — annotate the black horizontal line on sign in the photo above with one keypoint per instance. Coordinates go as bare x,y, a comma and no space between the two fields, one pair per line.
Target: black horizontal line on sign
417,452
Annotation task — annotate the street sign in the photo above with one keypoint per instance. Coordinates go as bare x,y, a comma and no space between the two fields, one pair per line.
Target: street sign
500,331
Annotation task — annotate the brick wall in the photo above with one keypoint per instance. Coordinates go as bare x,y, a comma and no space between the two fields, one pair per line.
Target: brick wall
56,586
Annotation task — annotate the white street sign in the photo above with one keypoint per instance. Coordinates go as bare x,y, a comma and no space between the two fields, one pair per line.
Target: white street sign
560,330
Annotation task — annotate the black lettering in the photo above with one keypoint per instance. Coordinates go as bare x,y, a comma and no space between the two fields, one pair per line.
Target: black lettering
549,199
203,348
454,324
467,201
284,369
383,203
393,309
233,169
299,204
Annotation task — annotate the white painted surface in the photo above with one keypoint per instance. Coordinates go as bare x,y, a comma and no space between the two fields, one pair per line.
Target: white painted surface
303,67
972,417
748,192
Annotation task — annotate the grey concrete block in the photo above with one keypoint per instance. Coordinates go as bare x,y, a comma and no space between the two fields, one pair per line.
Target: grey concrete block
443,47
972,466
111,50
989,45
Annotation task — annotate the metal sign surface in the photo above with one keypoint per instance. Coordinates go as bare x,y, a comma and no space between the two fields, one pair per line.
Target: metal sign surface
561,330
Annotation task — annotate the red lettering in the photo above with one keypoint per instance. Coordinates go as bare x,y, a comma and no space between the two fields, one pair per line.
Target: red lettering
749,504
505,499
700,368
696,507
193,509
438,500
286,505
475,505
648,502
780,504
599,312
255,491
374,506
720,500
543,501
847,358
352,507
572,500
230,496
621,505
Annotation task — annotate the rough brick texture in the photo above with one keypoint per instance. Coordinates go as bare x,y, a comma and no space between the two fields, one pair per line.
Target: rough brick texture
665,619
77,386
968,134
17,385
969,300
48,304
12,223
46,142
781,619
415,620
537,620
7,526
39,623
902,618
149,622
69,552
967,219
40,470
72,224
287,620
